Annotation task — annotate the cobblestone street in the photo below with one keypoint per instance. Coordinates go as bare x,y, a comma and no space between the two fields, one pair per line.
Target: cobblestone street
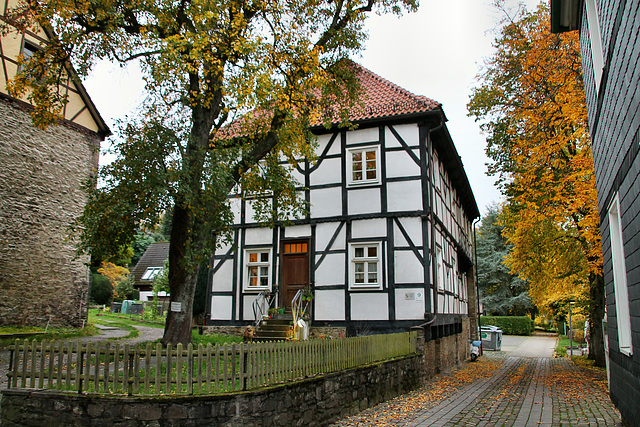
502,390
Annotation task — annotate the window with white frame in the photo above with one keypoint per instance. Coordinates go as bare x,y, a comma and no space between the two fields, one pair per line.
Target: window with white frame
364,165
258,264
366,271
439,268
150,273
620,289
596,41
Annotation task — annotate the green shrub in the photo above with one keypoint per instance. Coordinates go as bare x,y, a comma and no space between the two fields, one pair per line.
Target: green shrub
101,289
125,290
510,325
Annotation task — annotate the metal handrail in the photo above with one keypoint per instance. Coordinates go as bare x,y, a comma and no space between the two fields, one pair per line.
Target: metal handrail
296,306
261,306
299,308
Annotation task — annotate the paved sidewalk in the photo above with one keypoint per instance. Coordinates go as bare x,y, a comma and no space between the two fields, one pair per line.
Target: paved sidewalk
503,390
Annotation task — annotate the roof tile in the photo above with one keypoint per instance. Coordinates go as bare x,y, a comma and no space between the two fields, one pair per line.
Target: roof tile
380,98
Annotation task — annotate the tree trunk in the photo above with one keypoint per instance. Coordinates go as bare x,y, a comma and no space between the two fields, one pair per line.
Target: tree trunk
182,281
596,313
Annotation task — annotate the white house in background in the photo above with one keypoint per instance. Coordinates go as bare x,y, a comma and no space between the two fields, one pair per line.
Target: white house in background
147,268
387,243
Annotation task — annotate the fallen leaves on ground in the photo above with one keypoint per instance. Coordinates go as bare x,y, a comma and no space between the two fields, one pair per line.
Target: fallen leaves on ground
436,389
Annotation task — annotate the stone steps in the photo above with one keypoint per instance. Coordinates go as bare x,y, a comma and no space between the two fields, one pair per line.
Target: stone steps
275,329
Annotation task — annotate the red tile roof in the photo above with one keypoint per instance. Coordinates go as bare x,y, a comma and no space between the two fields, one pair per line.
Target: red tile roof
381,98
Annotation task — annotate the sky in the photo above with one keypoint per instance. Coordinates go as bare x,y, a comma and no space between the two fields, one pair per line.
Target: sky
436,52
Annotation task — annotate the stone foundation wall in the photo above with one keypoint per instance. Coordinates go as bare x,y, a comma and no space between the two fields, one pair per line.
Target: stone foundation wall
223,330
41,172
314,332
441,354
312,402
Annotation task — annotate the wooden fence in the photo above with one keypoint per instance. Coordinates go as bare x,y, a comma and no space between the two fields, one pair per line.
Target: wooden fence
105,367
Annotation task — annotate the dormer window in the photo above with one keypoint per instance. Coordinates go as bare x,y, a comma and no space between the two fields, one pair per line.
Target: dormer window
364,165
150,273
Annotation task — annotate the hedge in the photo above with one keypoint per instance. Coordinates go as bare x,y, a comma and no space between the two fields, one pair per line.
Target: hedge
510,325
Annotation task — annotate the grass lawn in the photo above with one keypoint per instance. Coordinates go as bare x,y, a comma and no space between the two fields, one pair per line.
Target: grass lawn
98,317
39,335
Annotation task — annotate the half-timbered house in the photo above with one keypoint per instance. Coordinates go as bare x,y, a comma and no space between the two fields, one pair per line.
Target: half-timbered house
41,176
387,241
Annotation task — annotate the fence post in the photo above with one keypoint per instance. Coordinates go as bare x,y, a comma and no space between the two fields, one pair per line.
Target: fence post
11,375
129,378
79,366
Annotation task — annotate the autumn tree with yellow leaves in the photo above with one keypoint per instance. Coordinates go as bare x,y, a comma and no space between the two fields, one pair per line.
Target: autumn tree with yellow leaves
205,63
531,100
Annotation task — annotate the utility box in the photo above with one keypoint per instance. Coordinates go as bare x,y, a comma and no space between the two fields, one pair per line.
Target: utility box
136,308
491,338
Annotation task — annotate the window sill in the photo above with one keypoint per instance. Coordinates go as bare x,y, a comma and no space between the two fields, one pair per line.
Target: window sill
365,288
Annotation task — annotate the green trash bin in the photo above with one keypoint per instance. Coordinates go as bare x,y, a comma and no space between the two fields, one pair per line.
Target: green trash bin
491,338
126,306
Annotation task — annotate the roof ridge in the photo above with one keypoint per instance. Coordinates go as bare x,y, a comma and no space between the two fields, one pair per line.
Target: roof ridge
395,86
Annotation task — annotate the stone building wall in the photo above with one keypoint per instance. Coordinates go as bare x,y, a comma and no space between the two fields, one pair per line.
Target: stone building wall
441,354
41,172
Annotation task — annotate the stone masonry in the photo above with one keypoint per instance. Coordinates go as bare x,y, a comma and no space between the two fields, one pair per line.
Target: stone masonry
41,173
312,402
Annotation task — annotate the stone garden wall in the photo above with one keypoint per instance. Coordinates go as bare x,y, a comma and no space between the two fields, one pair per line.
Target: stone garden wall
312,402
41,172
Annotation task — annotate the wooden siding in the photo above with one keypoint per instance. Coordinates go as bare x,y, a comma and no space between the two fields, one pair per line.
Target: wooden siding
614,120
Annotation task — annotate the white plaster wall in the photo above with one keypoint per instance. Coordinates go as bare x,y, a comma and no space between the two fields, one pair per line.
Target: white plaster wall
247,311
404,196
258,236
235,204
409,133
441,307
221,307
146,296
331,270
297,176
369,306
323,140
363,135
399,164
324,232
250,211
329,305
298,231
409,304
364,200
329,172
369,228
224,246
326,202
413,227
408,268
223,278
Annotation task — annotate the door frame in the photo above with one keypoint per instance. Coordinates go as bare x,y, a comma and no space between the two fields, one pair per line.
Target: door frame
281,286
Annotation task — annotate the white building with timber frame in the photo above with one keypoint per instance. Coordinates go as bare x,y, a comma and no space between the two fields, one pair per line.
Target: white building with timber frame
388,240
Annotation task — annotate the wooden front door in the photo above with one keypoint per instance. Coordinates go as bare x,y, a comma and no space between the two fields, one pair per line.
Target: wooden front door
295,268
